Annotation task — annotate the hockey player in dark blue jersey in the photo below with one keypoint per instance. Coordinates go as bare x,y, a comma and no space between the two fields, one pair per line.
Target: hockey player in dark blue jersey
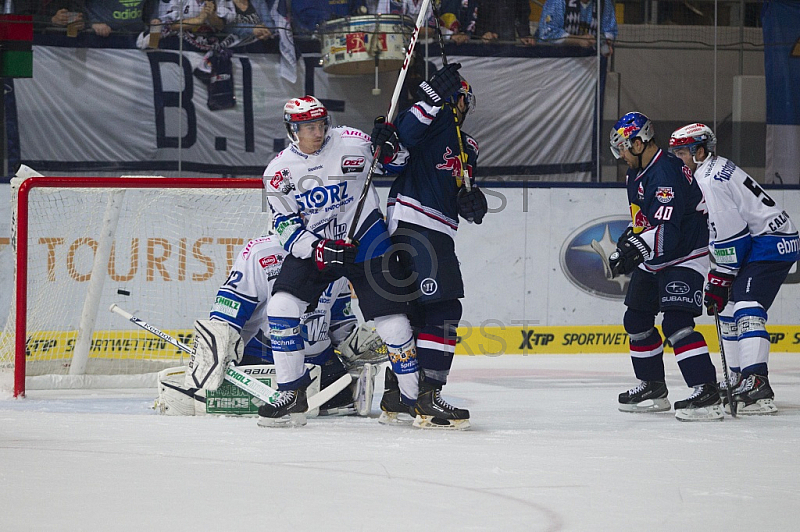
665,251
434,189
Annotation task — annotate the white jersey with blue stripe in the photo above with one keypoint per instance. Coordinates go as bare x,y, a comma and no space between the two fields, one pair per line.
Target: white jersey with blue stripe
745,223
314,196
242,302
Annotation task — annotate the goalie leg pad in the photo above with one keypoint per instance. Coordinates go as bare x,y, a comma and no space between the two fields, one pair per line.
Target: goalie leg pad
173,398
364,388
216,344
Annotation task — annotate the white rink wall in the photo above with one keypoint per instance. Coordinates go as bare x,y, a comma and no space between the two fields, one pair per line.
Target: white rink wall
529,263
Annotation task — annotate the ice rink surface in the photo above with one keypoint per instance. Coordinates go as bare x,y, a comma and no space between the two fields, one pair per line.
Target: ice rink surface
548,450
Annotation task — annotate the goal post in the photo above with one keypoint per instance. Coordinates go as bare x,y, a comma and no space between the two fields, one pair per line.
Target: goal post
162,246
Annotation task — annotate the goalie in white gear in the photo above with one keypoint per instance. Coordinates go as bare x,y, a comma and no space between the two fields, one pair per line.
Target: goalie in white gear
235,331
754,244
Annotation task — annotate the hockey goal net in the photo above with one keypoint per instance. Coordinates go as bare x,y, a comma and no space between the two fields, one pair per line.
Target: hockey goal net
158,247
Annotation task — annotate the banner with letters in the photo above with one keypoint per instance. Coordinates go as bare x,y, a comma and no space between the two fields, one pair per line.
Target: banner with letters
781,23
96,110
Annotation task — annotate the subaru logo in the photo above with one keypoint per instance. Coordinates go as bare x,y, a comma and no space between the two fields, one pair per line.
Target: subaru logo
677,288
581,259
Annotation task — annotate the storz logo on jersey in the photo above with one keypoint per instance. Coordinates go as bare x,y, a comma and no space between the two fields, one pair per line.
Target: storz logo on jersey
280,181
352,164
583,265
319,197
664,194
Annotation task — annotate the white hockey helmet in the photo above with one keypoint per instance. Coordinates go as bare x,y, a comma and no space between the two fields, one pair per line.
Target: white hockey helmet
305,109
627,129
693,136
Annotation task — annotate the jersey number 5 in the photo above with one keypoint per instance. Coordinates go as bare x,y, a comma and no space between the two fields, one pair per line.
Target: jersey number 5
759,192
663,213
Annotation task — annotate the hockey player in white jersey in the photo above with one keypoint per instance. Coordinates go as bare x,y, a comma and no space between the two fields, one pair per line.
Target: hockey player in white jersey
238,331
754,244
313,188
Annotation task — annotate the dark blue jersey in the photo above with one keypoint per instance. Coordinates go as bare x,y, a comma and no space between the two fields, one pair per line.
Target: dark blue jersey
668,211
425,192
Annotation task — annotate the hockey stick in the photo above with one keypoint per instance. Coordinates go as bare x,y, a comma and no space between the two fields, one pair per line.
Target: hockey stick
241,380
398,87
599,250
724,363
462,155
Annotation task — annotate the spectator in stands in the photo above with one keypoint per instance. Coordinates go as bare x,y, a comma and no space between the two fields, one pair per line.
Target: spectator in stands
252,22
456,17
504,21
308,14
118,16
575,23
52,13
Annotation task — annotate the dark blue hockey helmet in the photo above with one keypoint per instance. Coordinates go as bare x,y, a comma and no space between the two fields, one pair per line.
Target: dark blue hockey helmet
627,129
469,96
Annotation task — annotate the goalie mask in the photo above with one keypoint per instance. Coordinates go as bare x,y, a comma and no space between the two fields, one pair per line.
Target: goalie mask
692,137
305,109
627,129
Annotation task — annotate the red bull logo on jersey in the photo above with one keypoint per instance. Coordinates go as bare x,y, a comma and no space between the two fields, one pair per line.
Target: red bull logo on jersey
664,194
453,164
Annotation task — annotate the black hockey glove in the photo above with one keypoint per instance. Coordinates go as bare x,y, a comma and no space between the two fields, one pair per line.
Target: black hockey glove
443,84
329,253
625,234
384,134
472,205
718,291
630,253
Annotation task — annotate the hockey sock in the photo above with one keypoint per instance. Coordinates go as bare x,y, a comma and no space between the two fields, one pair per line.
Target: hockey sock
395,331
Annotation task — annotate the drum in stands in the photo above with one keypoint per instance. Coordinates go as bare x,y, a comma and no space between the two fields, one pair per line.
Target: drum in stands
349,45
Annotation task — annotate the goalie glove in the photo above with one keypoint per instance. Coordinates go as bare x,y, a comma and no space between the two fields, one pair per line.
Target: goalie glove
443,84
329,253
384,134
630,253
472,205
718,291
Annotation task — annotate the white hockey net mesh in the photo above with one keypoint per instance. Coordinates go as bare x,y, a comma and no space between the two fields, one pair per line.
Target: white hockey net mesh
160,254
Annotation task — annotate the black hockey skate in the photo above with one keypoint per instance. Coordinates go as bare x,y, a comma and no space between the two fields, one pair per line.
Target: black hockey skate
288,411
649,396
393,410
703,404
754,396
736,380
433,412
